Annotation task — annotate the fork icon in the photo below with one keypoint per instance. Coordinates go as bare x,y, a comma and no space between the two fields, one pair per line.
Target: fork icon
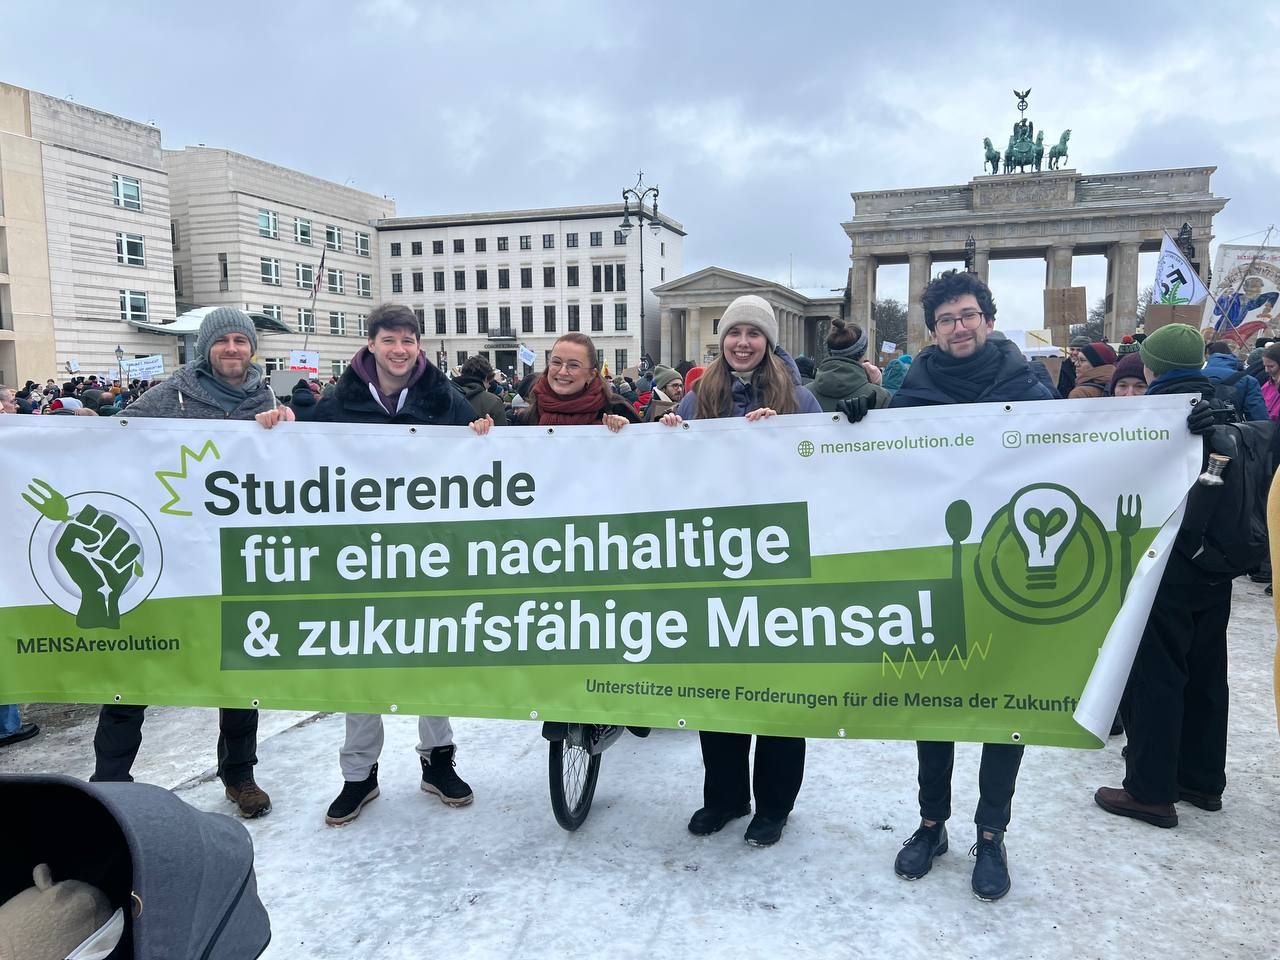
1128,523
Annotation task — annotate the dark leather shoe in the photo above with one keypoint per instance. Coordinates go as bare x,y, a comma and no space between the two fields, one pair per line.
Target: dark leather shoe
764,831
915,858
24,732
1122,804
1205,801
991,871
711,820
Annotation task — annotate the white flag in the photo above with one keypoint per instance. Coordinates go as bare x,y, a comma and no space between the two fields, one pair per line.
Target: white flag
1176,280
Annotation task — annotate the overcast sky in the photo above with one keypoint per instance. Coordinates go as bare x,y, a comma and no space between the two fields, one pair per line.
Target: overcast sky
756,119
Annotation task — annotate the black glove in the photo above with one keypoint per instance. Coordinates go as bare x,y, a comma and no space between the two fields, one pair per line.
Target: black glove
855,408
1207,413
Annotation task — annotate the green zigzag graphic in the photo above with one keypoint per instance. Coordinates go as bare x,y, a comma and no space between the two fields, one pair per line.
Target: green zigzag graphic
164,476
923,667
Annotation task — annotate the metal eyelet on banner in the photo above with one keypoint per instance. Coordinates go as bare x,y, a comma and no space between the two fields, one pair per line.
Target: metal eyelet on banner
395,708
840,732
1016,736
116,698
680,724
1151,553
124,423
533,714
255,701
685,425
835,418
1008,408
550,431
413,429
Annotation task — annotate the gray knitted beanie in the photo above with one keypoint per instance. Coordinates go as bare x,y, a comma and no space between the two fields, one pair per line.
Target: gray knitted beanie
754,311
219,323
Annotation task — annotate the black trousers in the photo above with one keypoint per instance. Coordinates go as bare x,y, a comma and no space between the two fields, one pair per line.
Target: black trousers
728,783
997,777
1175,706
119,735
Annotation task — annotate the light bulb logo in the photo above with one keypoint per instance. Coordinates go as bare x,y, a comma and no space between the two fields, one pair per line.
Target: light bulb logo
1044,519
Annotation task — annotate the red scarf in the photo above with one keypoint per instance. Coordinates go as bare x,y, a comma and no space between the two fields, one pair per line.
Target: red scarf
555,410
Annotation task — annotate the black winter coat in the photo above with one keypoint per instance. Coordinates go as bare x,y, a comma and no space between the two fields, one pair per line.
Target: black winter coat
432,400
1013,380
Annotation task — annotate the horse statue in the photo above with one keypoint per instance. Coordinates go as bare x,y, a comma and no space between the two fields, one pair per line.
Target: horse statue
1058,151
1021,154
993,156
1039,158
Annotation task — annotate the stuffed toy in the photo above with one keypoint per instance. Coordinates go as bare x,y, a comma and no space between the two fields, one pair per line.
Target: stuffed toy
70,920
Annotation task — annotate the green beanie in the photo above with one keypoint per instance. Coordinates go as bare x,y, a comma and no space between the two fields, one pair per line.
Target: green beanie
1175,346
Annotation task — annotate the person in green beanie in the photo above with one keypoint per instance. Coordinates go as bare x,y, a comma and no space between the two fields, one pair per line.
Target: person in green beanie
668,390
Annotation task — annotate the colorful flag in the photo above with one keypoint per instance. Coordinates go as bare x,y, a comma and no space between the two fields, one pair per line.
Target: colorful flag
1176,280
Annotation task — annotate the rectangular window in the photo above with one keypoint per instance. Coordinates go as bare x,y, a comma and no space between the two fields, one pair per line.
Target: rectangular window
395,249
397,282
177,280
548,276
504,278
548,241
336,282
524,242
618,239
621,274
571,275
573,318
620,360
597,317
437,247
337,367
364,285
301,231
437,281
608,278
362,244
462,357
130,249
270,270
306,320
662,274
224,277
481,244
502,244
304,275
133,305
440,322
362,325
460,319
663,250
333,237
526,278
596,273
267,225
418,281
421,315
482,320
459,279
619,316
173,235
526,319
337,323
127,192
570,239
415,248
273,310
597,238
459,246
549,318
482,279
504,322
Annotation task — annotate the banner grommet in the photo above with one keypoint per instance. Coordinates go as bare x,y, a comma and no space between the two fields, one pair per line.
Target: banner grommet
533,714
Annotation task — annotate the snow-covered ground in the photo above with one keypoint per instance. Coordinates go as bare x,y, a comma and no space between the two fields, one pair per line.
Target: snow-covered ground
413,878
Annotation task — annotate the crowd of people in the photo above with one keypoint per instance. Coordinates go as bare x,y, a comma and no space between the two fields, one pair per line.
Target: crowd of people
1174,710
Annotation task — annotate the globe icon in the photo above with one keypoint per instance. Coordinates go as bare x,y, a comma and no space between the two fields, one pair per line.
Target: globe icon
805,449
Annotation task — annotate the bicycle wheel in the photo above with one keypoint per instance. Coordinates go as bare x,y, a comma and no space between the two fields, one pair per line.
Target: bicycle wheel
572,773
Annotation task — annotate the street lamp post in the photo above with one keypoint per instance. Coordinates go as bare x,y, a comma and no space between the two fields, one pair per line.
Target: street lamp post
638,193
971,255
120,363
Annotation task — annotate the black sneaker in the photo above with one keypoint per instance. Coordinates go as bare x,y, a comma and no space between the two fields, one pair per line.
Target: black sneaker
355,794
991,872
439,777
24,732
916,856
709,820
764,831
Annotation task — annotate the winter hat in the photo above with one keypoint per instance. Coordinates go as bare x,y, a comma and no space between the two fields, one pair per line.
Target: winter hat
846,340
1127,345
754,311
1130,365
1078,342
692,376
1255,355
1175,346
1099,354
663,376
49,921
219,323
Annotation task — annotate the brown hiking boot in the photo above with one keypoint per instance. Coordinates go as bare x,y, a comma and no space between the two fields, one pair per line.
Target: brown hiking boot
1122,804
250,799
1205,801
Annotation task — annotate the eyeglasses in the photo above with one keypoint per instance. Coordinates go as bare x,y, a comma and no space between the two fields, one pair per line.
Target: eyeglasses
570,366
969,319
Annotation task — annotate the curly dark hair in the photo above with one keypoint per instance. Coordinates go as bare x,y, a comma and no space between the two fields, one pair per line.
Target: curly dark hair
952,285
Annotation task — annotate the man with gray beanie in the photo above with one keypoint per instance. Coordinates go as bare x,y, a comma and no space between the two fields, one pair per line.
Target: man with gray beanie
221,383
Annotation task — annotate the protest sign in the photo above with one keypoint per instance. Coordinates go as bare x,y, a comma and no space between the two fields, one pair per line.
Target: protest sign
144,368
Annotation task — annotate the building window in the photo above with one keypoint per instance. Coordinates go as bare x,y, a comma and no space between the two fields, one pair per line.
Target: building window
481,244
549,318
267,225
482,320
306,320
662,274
337,367
571,275
619,316
437,247
662,248
437,281
597,317
621,273
224,277
177,280
504,278
133,305
618,239
397,282
304,275
597,238
415,248
333,238
482,279
362,244
395,249
301,231
459,279
573,318
462,357
620,360
272,364
460,319
570,239
440,322
270,270
524,242
337,323
418,282
504,322
608,278
421,315
364,285
548,276
548,241
526,319
127,192
459,246
130,249
526,278
362,324
502,244
336,281
596,273
273,310
173,235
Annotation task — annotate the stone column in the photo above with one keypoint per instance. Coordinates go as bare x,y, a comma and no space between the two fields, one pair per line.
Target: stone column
665,355
918,279
1109,319
982,264
693,335
1126,300
1058,270
862,292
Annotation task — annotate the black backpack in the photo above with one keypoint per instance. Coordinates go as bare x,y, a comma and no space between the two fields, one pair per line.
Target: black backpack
1224,391
1224,531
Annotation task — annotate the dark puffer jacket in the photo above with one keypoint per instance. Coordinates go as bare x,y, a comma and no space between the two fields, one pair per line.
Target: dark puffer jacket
432,400
839,378
1012,379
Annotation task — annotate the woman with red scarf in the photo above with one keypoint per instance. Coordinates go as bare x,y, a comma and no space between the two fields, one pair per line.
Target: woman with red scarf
571,390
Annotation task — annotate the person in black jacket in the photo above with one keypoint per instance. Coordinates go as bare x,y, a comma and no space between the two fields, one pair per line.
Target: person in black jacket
390,381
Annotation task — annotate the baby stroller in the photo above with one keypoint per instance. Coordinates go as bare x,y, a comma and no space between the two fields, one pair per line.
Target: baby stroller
184,878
